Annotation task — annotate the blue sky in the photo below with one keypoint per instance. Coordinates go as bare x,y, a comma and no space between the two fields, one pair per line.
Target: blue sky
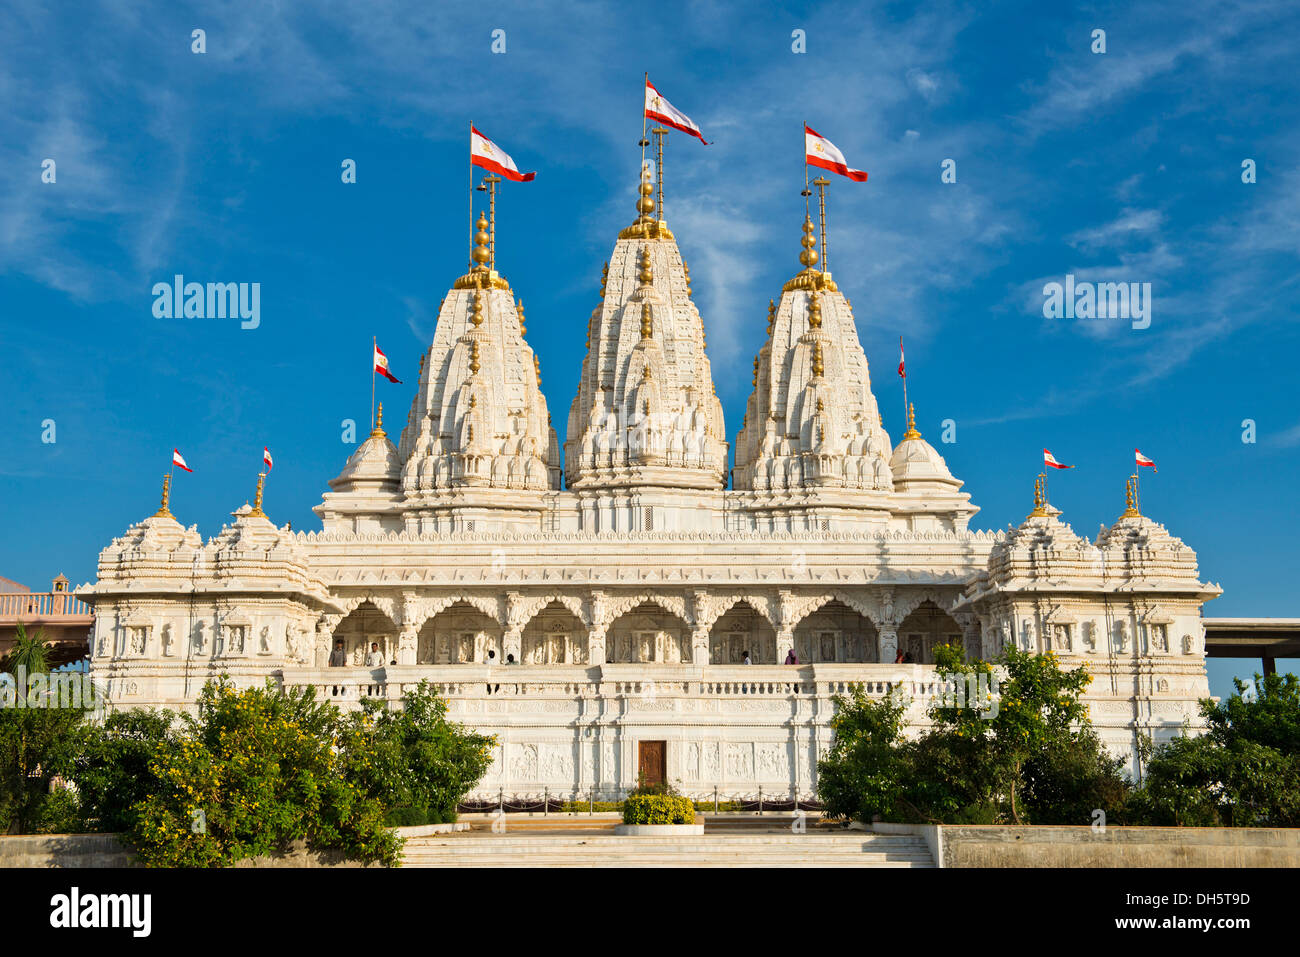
225,166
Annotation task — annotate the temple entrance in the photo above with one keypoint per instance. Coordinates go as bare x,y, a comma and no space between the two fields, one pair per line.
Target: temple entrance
652,762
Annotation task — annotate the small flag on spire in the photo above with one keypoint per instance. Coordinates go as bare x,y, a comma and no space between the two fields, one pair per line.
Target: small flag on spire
659,109
266,457
178,460
1142,460
381,366
483,152
902,371
822,153
1050,460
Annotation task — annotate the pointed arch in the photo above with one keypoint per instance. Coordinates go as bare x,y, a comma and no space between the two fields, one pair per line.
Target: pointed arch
646,632
459,633
365,623
554,635
836,632
739,629
925,627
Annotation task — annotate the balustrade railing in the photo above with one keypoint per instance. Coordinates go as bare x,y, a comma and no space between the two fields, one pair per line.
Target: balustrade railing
25,606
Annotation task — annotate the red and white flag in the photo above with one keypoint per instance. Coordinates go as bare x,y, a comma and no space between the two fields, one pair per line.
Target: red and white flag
179,461
901,369
381,366
659,109
822,153
1143,460
483,152
266,457
1050,460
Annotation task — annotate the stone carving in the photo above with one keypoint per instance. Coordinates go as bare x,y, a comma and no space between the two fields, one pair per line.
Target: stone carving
168,641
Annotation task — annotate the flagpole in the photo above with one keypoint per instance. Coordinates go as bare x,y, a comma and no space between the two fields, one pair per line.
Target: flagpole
803,135
643,142
901,353
374,344
470,261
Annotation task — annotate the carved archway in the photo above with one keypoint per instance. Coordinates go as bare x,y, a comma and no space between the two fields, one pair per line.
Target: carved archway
835,632
461,633
739,629
648,632
364,625
554,636
924,628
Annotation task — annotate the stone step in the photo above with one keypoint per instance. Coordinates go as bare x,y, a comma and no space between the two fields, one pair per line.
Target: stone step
589,849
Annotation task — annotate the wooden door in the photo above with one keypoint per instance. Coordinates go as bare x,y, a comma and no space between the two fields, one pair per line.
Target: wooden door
652,762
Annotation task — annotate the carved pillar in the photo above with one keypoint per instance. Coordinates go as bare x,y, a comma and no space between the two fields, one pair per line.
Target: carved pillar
512,643
406,646
888,645
700,646
784,643
596,646
323,631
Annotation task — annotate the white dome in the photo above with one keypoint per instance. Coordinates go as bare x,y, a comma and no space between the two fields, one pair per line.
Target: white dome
915,460
374,466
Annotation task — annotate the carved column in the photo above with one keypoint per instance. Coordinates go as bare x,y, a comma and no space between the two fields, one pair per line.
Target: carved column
596,646
700,646
888,645
406,646
512,640
784,643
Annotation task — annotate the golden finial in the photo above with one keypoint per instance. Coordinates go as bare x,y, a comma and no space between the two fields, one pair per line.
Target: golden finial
755,370
814,312
378,430
1040,498
473,358
821,406
604,278
482,255
818,367
771,315
646,204
686,266
1130,499
809,255
911,432
257,496
647,268
647,325
519,308
163,510
473,400
469,434
537,367
476,311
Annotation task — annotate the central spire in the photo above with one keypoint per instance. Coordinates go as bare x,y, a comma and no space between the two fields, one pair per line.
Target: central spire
646,412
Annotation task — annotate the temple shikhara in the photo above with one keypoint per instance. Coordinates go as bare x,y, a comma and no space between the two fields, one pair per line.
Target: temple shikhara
592,604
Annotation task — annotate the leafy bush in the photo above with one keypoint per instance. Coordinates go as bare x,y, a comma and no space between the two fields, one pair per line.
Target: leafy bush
37,745
253,772
112,766
658,809
409,817
414,756
1243,772
1035,760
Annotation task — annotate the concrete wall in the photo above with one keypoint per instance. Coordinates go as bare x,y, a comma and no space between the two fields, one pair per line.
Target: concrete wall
998,846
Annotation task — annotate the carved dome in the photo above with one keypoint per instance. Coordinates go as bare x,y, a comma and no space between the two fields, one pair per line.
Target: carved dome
375,466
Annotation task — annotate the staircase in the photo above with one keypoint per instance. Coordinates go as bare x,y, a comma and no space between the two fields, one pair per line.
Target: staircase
598,847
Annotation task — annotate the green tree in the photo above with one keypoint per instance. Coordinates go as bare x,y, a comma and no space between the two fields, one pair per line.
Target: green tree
1243,772
36,746
28,652
866,771
413,757
113,767
254,771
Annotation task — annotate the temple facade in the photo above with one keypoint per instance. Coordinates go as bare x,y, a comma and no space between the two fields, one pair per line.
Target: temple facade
622,610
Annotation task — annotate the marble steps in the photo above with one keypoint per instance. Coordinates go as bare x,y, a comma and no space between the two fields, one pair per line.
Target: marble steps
729,850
